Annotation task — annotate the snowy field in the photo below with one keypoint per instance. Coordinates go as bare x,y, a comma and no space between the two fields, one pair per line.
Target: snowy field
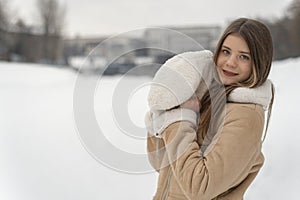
44,154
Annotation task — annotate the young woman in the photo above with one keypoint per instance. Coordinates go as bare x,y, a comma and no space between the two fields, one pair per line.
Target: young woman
208,145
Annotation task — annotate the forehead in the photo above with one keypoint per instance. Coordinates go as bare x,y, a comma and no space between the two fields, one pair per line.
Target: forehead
236,42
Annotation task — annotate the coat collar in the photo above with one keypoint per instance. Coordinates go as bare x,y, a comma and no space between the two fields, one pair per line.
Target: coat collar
261,95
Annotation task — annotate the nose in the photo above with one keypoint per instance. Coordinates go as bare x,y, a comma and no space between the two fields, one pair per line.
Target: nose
231,61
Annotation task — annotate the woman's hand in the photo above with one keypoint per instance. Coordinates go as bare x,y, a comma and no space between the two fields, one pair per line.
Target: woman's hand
193,104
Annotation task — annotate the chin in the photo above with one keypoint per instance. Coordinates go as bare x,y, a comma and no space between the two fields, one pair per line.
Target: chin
227,82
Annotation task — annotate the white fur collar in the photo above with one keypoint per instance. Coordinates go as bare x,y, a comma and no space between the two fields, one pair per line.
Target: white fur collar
260,95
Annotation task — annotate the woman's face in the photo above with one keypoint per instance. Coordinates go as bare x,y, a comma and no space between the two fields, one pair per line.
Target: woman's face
234,63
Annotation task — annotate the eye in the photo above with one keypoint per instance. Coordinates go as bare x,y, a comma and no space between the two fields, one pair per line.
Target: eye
244,57
225,51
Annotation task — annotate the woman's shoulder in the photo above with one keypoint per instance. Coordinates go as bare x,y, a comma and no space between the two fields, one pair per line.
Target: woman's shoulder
246,116
244,106
244,110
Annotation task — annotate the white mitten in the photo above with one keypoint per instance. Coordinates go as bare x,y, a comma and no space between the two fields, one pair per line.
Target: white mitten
179,78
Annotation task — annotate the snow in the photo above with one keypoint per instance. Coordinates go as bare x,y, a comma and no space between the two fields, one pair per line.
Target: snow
280,175
43,154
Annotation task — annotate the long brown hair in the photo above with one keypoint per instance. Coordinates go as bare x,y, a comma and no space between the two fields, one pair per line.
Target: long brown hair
259,41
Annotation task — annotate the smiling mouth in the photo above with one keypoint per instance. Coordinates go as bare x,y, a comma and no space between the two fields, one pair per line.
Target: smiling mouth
228,73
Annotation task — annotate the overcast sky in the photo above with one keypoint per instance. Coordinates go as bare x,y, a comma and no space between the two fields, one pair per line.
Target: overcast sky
102,17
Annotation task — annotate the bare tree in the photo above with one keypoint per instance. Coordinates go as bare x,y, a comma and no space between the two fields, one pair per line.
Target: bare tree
295,26
52,17
6,41
294,8
3,15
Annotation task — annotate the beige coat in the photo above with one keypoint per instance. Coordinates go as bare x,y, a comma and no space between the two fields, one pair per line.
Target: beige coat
226,169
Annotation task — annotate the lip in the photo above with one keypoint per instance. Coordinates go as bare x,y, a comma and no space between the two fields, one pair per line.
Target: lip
228,73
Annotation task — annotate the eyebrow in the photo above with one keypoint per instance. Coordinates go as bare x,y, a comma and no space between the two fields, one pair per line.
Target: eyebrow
245,52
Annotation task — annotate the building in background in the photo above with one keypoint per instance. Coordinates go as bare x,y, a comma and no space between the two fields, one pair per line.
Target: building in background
20,46
174,40
120,54
96,53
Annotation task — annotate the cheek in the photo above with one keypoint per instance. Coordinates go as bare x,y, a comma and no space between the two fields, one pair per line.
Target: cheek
219,62
247,70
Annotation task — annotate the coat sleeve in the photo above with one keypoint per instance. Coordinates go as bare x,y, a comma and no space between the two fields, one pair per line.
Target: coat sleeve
156,124
228,162
155,151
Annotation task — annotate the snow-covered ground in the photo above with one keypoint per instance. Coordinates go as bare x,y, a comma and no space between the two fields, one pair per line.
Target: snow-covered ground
43,154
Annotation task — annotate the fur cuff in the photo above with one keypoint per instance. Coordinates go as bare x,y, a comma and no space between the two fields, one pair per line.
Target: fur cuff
157,122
